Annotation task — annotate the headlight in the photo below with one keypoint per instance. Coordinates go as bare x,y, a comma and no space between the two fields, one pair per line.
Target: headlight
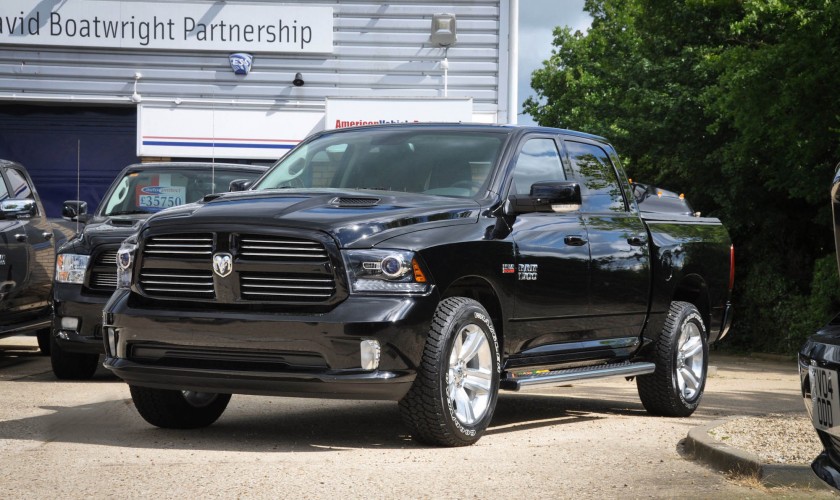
125,261
70,268
384,271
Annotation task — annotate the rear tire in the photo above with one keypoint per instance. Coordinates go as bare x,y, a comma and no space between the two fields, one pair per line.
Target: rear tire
172,409
454,394
72,365
682,355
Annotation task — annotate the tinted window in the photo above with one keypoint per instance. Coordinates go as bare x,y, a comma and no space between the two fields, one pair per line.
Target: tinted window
598,181
20,188
537,161
4,193
444,163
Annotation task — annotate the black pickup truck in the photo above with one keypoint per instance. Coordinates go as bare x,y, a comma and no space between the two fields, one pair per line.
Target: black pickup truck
86,272
27,251
429,264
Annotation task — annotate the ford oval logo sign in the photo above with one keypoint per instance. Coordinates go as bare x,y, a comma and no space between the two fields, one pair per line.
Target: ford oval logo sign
222,264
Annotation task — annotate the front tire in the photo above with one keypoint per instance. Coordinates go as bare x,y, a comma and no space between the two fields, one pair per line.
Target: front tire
172,409
682,356
454,395
72,365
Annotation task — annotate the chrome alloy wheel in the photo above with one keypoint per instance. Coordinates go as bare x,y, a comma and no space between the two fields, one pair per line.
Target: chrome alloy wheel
690,361
469,378
199,399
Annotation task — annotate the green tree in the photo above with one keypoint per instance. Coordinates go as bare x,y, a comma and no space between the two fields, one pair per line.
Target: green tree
733,102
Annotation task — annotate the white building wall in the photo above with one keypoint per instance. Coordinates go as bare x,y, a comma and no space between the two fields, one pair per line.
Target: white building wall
380,50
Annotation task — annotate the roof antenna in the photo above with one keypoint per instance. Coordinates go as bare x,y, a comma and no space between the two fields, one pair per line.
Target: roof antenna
78,176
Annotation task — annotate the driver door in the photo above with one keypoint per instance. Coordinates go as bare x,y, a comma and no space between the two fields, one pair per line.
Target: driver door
14,261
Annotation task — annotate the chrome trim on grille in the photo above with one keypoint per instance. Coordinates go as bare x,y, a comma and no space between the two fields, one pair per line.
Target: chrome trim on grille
277,286
179,245
198,284
280,248
107,258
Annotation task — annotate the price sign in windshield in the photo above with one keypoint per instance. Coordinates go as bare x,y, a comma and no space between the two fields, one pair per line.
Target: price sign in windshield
156,198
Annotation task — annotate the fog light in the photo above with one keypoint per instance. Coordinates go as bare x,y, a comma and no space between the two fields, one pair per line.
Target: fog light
111,334
370,354
69,323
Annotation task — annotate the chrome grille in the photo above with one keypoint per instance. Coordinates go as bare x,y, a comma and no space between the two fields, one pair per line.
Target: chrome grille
185,283
104,280
107,258
179,246
274,287
103,272
255,247
272,269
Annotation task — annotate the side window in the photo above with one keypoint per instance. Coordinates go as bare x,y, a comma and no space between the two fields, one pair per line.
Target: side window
20,188
4,193
599,184
538,161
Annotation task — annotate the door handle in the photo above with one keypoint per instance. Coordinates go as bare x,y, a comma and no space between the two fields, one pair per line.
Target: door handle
575,240
20,237
637,241
47,236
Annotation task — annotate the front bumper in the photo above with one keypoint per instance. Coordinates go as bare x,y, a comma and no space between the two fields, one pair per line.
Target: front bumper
823,349
265,353
70,301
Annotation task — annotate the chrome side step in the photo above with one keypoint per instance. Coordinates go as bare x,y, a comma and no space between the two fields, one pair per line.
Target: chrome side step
625,369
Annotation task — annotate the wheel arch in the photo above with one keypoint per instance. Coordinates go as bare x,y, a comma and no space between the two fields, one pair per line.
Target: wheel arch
693,289
482,291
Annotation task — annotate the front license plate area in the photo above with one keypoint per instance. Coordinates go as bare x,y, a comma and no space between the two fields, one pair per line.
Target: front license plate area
825,398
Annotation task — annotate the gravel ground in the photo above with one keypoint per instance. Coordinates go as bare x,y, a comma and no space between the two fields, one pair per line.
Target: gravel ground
775,438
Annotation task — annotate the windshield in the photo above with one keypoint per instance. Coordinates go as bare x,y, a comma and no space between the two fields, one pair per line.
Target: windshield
153,190
440,162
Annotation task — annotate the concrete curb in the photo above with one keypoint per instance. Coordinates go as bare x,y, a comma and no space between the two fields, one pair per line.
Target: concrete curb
702,446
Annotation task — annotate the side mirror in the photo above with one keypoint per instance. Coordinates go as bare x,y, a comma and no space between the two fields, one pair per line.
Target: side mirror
16,209
546,197
74,210
239,185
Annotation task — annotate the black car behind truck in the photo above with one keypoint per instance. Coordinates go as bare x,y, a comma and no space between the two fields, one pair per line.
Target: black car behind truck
429,264
27,251
819,372
85,268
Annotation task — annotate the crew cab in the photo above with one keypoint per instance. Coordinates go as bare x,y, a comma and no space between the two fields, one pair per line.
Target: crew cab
429,264
85,267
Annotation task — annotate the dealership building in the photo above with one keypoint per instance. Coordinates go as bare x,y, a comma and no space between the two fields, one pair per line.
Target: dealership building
90,86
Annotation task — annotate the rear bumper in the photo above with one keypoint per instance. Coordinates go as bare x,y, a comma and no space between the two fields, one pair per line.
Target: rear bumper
314,355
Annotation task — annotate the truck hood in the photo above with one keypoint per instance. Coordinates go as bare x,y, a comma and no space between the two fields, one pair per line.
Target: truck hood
104,230
351,217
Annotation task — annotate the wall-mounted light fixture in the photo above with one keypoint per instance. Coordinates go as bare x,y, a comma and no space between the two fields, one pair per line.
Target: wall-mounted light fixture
444,34
298,81
444,31
135,97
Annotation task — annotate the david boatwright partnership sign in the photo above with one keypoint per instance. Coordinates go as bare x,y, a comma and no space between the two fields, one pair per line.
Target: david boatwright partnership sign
168,25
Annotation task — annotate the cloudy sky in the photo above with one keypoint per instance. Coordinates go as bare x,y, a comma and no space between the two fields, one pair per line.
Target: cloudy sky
537,19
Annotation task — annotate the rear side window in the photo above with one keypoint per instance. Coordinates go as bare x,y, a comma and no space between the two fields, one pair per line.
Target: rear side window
20,188
598,181
4,193
538,161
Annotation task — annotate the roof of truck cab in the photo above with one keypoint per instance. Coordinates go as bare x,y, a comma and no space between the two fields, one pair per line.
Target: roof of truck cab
509,128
